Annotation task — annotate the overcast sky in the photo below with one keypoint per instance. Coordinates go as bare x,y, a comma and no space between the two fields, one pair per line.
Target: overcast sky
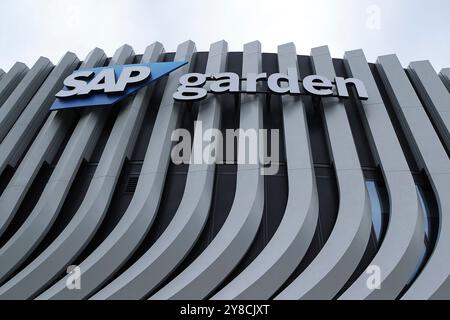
414,29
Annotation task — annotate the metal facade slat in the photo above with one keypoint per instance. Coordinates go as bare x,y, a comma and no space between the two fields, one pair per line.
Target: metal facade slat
61,252
434,280
11,79
341,254
266,274
445,77
435,97
31,119
231,243
43,149
136,221
19,98
79,147
71,241
186,225
405,227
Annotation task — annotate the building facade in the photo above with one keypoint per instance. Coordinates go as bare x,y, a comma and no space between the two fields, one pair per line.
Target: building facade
359,208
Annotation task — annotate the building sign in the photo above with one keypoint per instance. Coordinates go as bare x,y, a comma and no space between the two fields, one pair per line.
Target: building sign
192,85
109,85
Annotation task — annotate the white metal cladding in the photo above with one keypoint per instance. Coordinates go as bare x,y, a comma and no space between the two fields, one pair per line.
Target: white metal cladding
34,258
283,253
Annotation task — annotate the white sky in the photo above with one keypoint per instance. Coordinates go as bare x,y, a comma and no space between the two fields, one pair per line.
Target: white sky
414,29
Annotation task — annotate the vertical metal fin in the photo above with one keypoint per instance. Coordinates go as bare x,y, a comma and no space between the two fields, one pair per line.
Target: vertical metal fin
79,146
434,280
397,262
22,133
237,233
445,77
10,80
19,98
184,229
340,256
43,149
435,97
266,274
110,255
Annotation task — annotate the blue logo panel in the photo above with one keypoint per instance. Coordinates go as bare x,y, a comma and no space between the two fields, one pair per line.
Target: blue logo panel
158,70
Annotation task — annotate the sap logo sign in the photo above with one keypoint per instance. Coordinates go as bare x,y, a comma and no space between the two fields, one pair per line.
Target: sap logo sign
109,85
